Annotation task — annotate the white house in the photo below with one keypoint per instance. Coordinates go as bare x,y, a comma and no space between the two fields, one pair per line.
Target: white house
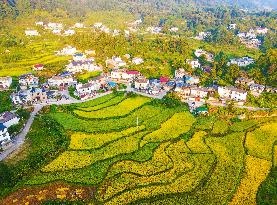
79,25
5,82
232,26
87,90
174,29
142,84
209,57
4,135
39,23
203,35
31,33
53,26
242,62
28,80
137,61
198,92
80,66
256,89
69,32
180,73
123,74
8,119
79,57
232,93
193,63
61,80
262,31
69,50
57,31
98,25
115,62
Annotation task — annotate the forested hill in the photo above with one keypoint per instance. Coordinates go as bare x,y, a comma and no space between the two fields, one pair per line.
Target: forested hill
134,6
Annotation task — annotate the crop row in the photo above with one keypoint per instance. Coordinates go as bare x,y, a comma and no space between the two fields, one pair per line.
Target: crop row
148,115
259,142
95,102
80,140
178,124
109,103
121,109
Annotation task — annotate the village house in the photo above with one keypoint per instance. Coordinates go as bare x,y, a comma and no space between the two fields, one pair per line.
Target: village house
206,69
182,90
199,92
169,86
62,80
232,26
98,25
256,89
87,90
244,81
38,67
57,31
137,61
38,95
80,66
31,33
21,97
54,26
90,52
123,74
192,80
270,89
39,23
232,93
202,35
5,82
4,135
193,63
180,74
69,50
209,57
79,25
69,32
142,84
105,29
28,80
9,119
115,62
174,29
79,57
261,31
154,30
241,62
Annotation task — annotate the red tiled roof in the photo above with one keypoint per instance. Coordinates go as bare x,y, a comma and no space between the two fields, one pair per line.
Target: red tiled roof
164,79
39,65
133,72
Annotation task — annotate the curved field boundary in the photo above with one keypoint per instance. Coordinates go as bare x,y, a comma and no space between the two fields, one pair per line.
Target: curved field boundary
119,110
255,173
112,102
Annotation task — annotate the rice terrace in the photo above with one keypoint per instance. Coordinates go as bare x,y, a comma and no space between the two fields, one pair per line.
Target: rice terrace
143,151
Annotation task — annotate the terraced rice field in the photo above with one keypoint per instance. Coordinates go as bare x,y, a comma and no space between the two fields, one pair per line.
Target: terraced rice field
129,150
22,60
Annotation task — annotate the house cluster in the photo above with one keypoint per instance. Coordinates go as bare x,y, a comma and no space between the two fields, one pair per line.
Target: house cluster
250,38
241,62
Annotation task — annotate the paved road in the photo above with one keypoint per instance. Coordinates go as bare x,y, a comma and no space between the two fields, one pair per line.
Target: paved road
20,138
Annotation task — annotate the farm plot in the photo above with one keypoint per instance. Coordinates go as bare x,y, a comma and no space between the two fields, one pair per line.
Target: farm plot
180,123
256,171
259,142
121,109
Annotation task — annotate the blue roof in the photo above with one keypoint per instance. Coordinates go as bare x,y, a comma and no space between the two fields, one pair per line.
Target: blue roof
112,84
2,127
78,54
171,83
